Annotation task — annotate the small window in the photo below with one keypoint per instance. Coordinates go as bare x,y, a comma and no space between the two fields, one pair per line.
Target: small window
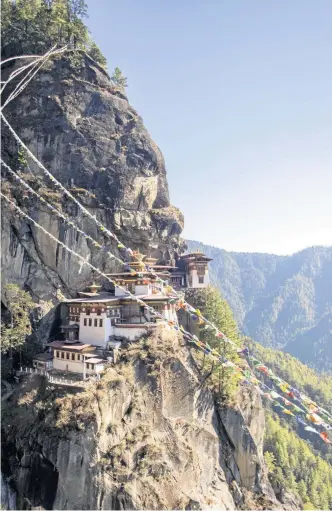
67,356
87,365
77,319
78,356
73,356
92,366
96,322
90,321
98,312
201,280
88,311
85,321
100,322
62,354
57,354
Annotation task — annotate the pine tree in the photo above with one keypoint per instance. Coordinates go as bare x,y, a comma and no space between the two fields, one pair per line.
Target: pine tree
34,26
118,78
19,304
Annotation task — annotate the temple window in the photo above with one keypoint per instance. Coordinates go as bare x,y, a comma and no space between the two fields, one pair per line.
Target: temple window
87,365
57,354
201,280
96,322
67,356
73,356
88,311
100,322
78,356
98,312
90,321
62,354
85,321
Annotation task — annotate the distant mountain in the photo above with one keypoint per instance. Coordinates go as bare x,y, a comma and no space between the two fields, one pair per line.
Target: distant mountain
280,301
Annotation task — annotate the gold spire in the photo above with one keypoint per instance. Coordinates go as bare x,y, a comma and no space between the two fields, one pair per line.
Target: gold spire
93,288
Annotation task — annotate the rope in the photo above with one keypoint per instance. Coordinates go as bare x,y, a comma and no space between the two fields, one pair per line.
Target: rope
187,307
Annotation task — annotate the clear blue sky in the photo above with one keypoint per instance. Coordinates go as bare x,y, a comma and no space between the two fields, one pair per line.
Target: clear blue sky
238,96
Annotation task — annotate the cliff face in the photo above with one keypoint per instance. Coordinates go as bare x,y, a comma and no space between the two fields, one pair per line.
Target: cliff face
86,133
147,436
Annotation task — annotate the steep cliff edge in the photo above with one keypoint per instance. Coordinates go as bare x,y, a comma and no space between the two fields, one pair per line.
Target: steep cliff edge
149,435
86,133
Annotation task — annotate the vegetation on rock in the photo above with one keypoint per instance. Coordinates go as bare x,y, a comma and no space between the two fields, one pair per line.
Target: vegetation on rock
118,78
294,466
15,330
216,309
34,26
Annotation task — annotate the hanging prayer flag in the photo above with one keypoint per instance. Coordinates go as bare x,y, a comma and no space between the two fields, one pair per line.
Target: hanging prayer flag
287,403
314,418
324,416
283,387
325,437
313,430
244,351
262,369
275,395
301,421
297,409
288,412
296,394
313,409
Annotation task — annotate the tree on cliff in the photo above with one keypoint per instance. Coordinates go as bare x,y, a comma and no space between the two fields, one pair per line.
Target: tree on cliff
34,26
216,309
18,327
295,466
118,78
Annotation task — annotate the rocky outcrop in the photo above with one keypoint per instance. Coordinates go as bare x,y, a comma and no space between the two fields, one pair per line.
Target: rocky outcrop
86,133
147,436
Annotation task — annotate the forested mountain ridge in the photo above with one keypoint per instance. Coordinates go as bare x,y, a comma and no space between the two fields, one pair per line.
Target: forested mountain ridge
280,301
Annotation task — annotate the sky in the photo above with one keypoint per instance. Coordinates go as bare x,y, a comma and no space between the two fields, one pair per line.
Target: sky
238,96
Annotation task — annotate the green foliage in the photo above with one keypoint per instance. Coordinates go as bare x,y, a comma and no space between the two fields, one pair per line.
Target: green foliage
280,301
22,158
216,309
94,51
34,26
118,78
19,304
293,465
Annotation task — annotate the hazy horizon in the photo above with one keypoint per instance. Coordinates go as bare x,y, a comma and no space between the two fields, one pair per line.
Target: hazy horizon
257,252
